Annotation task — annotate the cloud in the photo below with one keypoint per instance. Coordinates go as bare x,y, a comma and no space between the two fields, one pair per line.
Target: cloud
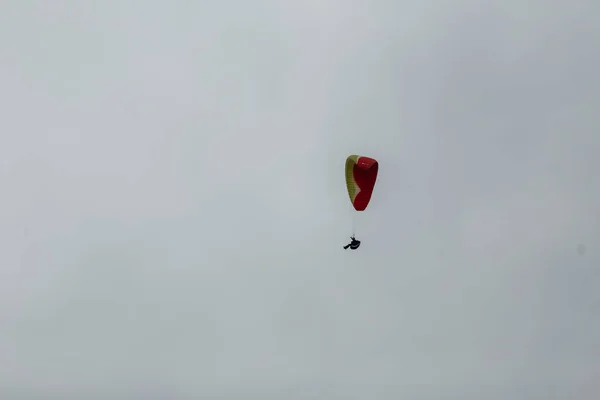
174,208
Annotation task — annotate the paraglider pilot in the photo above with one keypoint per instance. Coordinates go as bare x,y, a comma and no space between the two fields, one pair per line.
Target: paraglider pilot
353,245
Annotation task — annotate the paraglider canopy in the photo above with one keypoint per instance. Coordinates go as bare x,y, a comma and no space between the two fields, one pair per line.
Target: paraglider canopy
361,174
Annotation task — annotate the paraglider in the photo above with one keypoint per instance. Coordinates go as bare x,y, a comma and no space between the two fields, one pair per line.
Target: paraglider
361,174
353,244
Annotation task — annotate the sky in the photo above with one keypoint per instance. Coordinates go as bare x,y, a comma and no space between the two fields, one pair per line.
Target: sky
173,203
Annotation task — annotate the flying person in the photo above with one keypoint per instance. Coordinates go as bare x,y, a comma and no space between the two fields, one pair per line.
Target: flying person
353,245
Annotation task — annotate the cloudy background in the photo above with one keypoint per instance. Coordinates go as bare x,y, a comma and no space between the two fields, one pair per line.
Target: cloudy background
173,204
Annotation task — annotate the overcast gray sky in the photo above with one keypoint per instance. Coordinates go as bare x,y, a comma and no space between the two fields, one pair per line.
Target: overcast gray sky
174,209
